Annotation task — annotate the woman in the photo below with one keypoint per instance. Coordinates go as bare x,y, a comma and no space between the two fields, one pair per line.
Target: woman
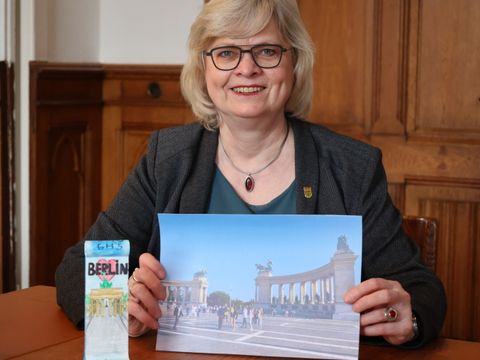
249,80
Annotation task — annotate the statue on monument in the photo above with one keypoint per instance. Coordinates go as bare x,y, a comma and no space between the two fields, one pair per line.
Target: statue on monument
200,274
264,268
342,244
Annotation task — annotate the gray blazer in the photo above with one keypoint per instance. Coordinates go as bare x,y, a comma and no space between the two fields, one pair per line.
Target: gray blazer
346,176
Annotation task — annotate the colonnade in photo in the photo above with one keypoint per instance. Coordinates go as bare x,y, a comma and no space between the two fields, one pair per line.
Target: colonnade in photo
316,291
324,285
187,291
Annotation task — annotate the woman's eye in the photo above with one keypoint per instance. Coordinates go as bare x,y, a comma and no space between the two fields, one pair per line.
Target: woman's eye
226,53
268,52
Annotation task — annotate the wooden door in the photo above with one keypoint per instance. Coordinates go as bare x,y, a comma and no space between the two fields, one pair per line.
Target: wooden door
405,76
65,133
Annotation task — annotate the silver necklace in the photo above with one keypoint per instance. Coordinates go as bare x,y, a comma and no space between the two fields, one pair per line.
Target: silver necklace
249,181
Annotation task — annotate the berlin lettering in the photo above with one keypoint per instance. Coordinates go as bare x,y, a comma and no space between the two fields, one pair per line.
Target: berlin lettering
110,268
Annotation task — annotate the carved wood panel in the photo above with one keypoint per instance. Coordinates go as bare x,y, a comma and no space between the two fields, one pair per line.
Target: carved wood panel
456,206
65,162
404,76
138,101
67,202
342,33
444,67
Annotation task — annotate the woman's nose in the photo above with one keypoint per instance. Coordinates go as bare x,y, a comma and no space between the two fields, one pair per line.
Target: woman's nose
247,65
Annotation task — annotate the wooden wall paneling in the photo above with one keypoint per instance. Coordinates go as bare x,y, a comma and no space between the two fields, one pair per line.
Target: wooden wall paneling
138,100
66,147
404,76
7,179
403,158
112,175
65,161
444,67
443,125
360,64
455,203
342,31
139,123
389,66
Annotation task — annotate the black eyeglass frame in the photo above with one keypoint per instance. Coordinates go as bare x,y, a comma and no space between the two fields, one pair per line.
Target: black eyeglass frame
242,51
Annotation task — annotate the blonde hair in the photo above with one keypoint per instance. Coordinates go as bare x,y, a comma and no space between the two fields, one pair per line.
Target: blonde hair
241,19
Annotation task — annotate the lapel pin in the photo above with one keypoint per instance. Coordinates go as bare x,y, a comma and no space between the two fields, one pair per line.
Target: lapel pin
307,192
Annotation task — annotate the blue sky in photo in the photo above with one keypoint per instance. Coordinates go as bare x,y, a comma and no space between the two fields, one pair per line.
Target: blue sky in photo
229,246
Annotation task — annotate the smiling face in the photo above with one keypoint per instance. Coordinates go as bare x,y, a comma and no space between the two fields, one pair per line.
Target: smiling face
249,91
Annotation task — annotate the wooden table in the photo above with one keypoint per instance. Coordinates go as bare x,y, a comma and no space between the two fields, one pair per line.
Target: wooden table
32,326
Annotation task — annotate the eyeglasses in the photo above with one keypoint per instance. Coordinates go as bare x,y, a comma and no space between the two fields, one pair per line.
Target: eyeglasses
266,56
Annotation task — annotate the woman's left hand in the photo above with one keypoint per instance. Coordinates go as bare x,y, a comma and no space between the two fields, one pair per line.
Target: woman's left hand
145,291
375,299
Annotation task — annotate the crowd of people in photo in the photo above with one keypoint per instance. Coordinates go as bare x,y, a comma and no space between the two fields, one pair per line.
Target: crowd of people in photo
229,316
248,317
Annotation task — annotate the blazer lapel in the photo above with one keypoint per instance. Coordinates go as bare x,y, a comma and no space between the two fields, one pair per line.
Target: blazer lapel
306,168
196,193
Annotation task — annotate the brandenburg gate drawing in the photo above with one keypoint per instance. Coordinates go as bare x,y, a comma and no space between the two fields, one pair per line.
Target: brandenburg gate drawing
327,284
193,291
106,302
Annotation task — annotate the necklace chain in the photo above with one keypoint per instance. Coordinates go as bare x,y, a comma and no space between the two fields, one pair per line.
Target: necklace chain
249,181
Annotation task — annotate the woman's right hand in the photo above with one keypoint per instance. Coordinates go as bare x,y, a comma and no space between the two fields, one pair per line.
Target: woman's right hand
145,290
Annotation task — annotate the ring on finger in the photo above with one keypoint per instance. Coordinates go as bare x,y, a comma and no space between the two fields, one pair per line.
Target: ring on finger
390,314
133,276
132,297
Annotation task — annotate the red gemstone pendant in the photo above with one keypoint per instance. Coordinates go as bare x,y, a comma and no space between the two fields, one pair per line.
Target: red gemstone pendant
249,183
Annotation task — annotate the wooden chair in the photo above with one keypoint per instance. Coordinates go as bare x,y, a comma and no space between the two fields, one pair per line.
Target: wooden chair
424,232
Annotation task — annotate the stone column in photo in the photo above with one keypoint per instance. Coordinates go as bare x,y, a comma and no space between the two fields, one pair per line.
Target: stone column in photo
343,262
322,291
263,286
302,292
199,286
291,294
313,292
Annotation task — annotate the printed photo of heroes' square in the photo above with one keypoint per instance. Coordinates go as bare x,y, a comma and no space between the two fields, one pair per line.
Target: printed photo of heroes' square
264,285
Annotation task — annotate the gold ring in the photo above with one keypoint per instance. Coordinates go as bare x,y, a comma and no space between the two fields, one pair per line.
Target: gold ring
133,275
391,314
132,297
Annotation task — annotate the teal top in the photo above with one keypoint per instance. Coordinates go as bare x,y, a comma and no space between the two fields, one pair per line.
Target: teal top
225,200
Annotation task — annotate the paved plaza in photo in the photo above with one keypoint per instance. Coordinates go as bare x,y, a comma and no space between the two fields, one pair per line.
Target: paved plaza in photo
278,336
